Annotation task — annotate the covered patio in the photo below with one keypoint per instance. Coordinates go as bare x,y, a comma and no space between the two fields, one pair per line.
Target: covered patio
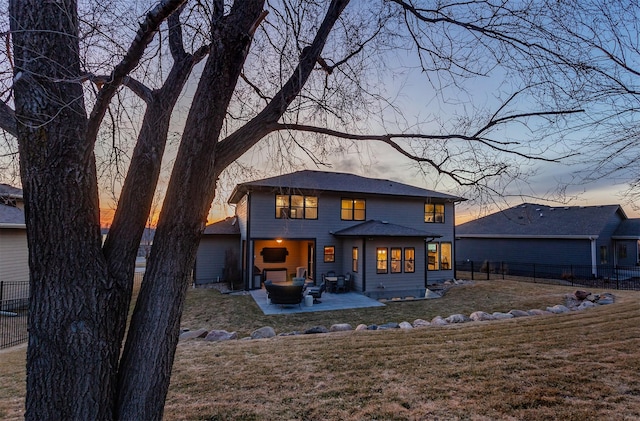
329,302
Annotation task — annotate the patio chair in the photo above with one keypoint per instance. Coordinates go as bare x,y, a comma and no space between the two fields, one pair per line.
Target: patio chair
341,284
316,292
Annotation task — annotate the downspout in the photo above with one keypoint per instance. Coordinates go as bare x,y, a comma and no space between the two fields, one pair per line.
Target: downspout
364,265
248,250
453,241
426,263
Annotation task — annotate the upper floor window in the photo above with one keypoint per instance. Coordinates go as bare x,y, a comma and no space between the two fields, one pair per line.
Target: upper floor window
296,206
434,212
353,210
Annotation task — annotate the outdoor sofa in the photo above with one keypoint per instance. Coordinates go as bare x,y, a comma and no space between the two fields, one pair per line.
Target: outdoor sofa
284,294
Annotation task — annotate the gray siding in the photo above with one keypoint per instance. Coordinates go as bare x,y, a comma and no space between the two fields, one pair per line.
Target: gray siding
210,258
409,212
543,251
14,255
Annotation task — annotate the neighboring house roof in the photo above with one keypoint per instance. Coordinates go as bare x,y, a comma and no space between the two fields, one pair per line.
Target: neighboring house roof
629,229
308,180
10,191
374,228
228,226
538,221
11,217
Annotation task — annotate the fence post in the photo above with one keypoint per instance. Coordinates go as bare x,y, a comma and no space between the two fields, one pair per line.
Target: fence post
1,291
502,269
488,269
534,272
472,270
617,278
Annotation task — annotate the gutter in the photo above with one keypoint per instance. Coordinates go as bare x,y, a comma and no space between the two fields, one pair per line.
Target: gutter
12,226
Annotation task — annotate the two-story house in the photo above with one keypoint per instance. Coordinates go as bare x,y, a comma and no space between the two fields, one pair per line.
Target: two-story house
394,239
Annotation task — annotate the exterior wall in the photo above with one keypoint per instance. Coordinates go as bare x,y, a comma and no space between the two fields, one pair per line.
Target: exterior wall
210,258
543,251
389,284
14,255
604,240
632,258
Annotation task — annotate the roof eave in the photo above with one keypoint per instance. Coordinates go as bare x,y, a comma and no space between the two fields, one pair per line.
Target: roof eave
516,236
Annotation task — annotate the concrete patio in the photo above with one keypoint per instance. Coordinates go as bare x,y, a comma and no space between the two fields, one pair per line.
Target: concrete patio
329,302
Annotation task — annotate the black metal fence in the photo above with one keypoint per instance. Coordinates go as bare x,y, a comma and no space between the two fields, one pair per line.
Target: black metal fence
14,300
599,276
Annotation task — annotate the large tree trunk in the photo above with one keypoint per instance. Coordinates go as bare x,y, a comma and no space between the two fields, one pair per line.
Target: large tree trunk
71,347
153,335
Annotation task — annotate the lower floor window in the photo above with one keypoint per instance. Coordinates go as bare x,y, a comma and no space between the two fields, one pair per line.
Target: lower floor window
381,260
409,259
396,260
439,256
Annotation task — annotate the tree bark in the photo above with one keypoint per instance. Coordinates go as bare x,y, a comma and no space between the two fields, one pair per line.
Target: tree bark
155,324
70,331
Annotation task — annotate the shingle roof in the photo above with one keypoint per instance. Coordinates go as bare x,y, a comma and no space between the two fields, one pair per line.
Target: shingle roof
10,215
628,229
374,228
228,226
7,190
308,180
530,220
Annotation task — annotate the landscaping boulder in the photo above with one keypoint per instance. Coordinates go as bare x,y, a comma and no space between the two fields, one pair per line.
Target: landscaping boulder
537,312
191,334
316,329
457,318
340,327
501,316
361,326
519,313
438,321
606,298
263,332
582,295
390,325
593,298
586,304
220,335
479,316
420,323
405,325
558,309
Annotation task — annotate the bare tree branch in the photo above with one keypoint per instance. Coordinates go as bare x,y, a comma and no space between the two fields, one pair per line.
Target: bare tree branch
145,34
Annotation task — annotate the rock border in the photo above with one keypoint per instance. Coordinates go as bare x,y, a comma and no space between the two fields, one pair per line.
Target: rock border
579,301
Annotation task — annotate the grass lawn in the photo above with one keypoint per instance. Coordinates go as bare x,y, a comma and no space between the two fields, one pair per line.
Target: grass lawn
576,366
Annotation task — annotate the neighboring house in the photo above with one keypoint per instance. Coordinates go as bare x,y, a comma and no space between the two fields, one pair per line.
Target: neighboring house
217,241
14,254
393,238
572,235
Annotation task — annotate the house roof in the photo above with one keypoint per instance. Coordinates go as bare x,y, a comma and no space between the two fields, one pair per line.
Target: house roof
374,228
227,226
629,229
308,180
530,220
10,191
11,217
